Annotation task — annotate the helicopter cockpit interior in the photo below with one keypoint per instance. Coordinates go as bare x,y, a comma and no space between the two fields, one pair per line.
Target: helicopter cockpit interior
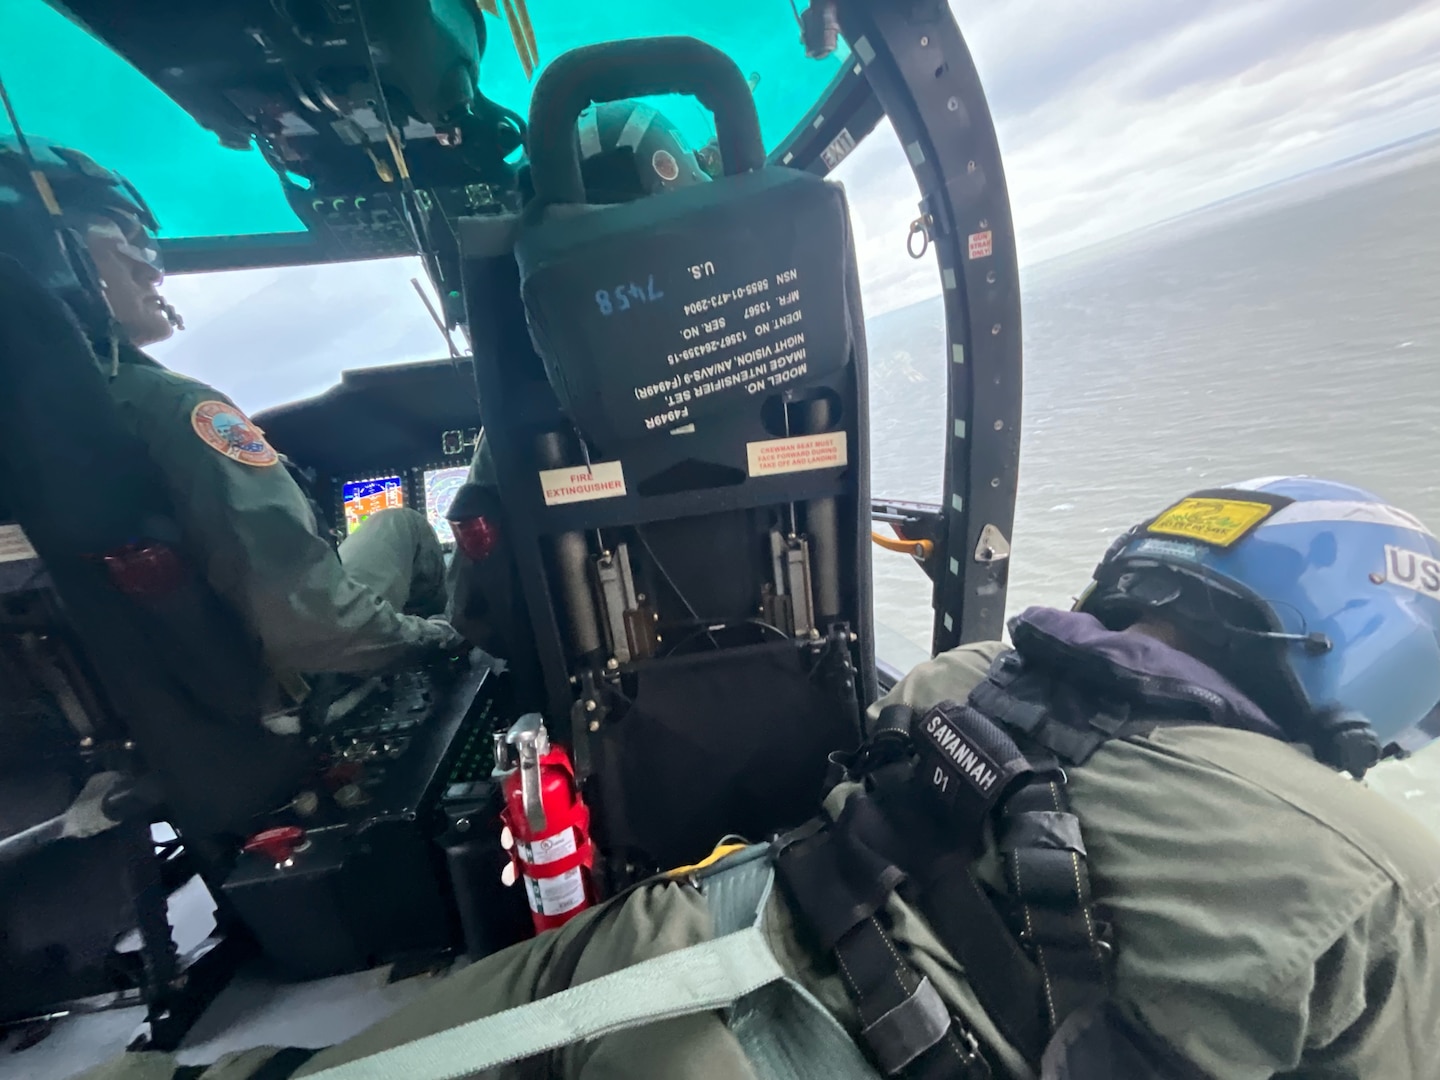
648,468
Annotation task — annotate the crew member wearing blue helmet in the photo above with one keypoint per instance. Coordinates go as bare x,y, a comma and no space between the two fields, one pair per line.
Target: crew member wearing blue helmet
1125,846
1267,915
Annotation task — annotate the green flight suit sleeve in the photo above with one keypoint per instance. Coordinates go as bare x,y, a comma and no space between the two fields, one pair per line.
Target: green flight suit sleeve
948,677
1272,917
254,529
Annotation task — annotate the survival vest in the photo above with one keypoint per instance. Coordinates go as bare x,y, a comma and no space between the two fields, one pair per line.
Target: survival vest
937,785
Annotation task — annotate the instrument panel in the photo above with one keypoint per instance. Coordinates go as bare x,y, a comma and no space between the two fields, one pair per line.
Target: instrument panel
400,435
428,488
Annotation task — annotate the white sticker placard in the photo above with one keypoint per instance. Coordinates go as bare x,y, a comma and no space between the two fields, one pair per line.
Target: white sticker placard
561,893
15,545
549,849
556,895
579,483
982,245
799,454
1414,570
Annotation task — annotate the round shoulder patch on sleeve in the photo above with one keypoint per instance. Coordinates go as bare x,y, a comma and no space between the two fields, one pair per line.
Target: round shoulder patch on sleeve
225,428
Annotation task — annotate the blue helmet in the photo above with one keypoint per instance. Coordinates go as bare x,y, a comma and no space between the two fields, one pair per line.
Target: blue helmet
1325,582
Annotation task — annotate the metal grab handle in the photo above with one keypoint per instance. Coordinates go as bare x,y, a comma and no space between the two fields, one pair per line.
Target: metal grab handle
637,68
531,742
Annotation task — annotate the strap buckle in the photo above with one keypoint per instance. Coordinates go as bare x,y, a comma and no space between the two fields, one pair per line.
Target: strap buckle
912,1027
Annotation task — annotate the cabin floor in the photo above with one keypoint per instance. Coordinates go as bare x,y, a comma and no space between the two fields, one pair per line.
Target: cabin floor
255,1009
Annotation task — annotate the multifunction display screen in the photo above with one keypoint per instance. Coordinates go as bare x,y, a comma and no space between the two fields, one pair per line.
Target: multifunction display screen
366,497
440,488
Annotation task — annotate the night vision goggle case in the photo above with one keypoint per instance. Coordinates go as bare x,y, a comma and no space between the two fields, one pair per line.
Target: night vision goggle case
628,306
665,312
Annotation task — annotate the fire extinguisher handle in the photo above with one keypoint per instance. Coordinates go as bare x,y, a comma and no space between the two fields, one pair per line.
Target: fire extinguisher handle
530,793
531,742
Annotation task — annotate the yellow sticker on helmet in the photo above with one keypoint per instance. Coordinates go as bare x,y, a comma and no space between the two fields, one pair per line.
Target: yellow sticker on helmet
1211,521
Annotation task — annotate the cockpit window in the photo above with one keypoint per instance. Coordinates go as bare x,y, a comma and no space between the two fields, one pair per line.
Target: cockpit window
72,89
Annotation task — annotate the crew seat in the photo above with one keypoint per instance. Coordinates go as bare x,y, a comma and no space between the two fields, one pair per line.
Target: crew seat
676,408
182,672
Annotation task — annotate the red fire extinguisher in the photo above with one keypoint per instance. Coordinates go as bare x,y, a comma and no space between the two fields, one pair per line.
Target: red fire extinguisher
548,824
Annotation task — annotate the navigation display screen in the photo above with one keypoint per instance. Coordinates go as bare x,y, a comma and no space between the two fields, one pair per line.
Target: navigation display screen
366,497
440,488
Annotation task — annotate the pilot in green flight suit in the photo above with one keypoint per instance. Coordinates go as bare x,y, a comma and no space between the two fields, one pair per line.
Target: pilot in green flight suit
1271,917
242,513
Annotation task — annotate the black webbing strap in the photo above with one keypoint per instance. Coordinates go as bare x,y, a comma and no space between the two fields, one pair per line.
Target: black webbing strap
969,767
1005,980
1033,721
839,888
967,762
1046,869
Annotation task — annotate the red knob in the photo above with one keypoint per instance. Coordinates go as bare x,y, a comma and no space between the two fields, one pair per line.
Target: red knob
277,844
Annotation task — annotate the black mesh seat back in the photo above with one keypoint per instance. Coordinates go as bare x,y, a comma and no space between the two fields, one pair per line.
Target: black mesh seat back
734,742
657,314
178,665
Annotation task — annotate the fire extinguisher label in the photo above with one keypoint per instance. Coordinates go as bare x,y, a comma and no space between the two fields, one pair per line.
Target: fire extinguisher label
556,895
549,849
561,893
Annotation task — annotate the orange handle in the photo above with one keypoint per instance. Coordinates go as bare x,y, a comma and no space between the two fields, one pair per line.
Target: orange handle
920,549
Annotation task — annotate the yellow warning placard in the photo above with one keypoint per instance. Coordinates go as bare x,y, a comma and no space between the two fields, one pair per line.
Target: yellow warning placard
1211,521
581,483
798,454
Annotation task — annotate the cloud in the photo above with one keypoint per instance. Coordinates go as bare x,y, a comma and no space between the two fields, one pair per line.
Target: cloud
269,336
1114,116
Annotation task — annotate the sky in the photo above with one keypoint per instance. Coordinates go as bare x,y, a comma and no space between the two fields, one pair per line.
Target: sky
1116,114
1112,115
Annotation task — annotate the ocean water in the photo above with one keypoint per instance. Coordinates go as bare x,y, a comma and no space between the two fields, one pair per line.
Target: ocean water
1294,330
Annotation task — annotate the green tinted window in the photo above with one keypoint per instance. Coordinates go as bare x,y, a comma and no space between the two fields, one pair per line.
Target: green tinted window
70,88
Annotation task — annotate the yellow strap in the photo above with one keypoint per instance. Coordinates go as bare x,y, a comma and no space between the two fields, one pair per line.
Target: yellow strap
523,45
522,11
921,549
382,168
47,195
710,860
398,154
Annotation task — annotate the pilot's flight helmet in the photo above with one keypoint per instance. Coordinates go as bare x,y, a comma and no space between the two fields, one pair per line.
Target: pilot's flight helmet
1325,581
629,149
43,218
